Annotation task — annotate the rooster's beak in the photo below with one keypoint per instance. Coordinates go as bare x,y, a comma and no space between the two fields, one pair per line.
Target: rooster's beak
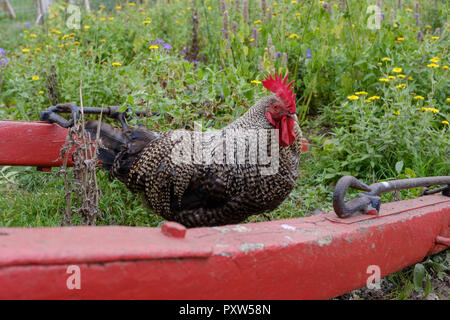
293,116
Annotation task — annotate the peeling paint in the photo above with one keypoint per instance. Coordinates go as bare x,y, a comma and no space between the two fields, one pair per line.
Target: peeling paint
366,222
246,247
362,229
314,232
348,240
325,240
225,254
288,227
373,245
289,238
221,245
222,230
240,228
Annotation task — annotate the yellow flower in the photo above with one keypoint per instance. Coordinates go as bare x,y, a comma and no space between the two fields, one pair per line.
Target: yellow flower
116,64
103,41
434,110
409,10
275,4
294,2
448,99
111,18
35,78
435,38
37,49
251,40
255,81
397,70
146,22
401,86
401,76
353,97
386,59
102,19
400,39
25,50
153,47
102,6
432,65
298,14
419,98
397,112
445,122
359,93
434,60
131,4
209,8
292,36
41,92
118,7
383,80
86,27
76,42
445,67
410,78
32,35
257,21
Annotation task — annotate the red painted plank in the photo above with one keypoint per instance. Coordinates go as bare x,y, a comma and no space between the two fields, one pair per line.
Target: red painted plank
304,258
24,143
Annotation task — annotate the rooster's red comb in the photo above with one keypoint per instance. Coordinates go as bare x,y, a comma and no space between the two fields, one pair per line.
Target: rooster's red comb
282,89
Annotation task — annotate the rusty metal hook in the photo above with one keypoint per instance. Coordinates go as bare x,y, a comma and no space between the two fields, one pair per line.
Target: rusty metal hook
369,202
51,114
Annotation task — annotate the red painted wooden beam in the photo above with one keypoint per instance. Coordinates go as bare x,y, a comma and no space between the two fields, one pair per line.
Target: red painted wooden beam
25,143
318,257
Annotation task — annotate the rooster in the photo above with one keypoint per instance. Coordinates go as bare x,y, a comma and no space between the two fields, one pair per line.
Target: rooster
247,168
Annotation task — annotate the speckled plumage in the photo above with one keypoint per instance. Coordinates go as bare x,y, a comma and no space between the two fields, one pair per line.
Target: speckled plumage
201,192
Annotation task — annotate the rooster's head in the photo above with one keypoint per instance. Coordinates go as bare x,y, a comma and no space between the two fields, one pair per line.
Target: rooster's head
282,113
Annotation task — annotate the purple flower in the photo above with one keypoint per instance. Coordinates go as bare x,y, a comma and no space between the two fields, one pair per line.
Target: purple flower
220,67
157,41
28,25
278,54
194,61
183,51
167,46
308,55
3,59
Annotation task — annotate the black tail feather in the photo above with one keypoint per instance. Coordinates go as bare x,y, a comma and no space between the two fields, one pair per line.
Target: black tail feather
119,149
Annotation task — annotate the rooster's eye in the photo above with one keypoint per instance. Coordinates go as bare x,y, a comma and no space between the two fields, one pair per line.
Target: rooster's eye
276,108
